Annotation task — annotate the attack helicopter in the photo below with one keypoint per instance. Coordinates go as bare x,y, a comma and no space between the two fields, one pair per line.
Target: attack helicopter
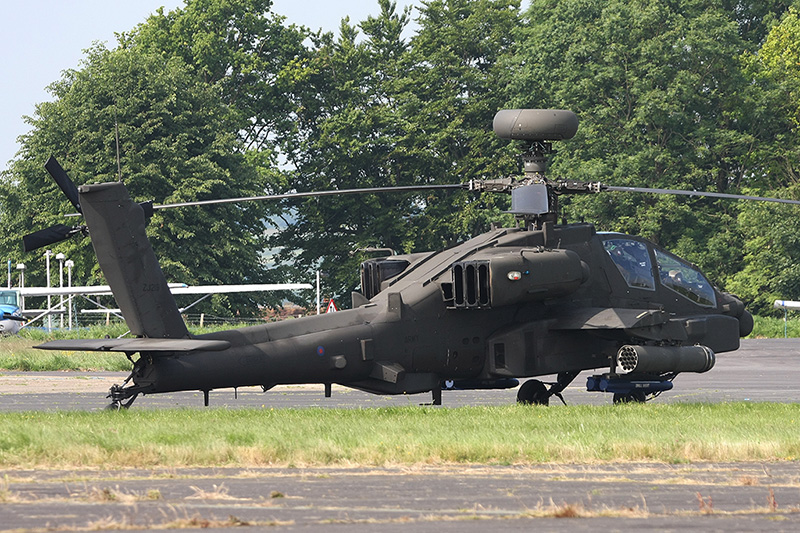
541,298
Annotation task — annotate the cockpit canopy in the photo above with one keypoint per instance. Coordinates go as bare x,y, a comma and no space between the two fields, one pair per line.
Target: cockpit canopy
635,260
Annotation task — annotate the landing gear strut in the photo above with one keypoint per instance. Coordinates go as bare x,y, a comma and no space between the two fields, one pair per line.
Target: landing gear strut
535,392
122,398
118,396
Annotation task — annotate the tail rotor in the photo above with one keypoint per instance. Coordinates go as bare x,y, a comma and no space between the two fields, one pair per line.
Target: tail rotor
59,232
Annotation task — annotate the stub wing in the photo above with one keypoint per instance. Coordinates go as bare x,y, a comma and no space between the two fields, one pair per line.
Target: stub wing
135,345
610,318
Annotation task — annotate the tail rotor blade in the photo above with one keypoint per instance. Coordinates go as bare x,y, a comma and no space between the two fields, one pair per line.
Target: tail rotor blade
48,236
63,181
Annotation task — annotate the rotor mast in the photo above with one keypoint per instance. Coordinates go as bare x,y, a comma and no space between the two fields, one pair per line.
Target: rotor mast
534,198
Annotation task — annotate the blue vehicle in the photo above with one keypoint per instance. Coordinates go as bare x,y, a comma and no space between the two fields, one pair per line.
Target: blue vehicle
11,315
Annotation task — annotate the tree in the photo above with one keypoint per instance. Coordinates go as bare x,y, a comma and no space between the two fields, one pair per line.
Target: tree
771,263
780,59
176,144
755,17
664,101
379,112
240,47
771,247
198,93
456,84
346,136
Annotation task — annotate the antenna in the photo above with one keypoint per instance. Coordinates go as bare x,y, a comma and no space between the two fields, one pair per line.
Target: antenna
116,136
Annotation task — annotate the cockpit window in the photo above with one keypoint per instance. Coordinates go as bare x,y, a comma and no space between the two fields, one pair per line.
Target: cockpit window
8,298
685,280
633,262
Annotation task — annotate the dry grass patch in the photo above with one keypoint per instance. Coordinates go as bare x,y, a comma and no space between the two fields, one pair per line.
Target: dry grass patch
7,495
578,510
117,495
217,492
748,481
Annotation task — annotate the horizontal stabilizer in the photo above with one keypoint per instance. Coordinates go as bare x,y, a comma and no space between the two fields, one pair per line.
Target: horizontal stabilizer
135,345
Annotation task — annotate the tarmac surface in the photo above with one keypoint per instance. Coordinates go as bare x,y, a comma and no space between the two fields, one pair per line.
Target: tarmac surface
626,497
606,497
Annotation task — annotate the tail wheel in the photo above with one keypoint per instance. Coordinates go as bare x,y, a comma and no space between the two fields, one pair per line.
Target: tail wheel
533,392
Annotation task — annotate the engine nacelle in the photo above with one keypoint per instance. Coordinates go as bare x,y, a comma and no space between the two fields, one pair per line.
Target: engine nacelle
518,277
376,271
663,359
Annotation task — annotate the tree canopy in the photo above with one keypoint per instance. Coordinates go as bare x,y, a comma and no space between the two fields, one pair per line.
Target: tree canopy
177,142
222,98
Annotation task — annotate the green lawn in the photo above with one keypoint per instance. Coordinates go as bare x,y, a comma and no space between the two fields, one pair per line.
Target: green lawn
402,435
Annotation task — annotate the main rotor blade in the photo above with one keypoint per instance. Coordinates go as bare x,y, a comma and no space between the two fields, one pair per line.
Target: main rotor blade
313,194
702,193
60,176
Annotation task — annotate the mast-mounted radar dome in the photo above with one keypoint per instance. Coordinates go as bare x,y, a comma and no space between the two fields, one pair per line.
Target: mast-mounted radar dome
535,124
533,197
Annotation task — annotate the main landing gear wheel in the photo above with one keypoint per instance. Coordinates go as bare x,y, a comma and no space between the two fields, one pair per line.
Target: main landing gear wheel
533,392
635,396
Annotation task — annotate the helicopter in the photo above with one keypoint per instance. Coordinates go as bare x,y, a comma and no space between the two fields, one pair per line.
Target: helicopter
538,299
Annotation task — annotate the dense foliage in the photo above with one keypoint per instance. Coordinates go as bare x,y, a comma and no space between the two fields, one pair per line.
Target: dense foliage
222,98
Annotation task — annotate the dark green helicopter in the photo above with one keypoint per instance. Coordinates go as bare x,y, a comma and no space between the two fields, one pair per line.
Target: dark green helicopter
538,299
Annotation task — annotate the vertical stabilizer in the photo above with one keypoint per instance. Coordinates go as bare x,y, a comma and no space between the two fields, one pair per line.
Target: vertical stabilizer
117,229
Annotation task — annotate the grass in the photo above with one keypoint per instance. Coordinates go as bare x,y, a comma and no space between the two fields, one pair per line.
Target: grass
18,353
776,328
401,435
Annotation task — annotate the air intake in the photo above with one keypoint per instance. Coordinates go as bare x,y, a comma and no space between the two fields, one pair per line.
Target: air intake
471,285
